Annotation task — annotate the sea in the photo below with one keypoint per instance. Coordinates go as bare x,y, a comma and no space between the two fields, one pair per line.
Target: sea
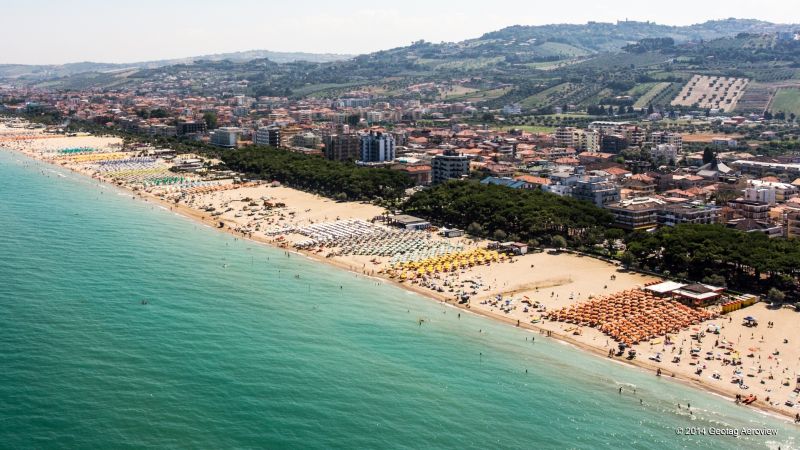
124,325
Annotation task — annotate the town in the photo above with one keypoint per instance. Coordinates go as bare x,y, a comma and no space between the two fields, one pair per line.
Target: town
661,169
536,235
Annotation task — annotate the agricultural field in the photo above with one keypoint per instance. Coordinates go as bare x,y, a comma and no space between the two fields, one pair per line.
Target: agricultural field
477,96
323,89
786,99
548,96
756,98
559,49
456,91
567,94
712,92
647,97
461,64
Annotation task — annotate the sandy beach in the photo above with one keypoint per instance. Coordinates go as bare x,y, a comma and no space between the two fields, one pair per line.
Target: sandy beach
519,290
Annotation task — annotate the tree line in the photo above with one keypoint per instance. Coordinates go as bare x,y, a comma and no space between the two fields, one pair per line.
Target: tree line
338,180
712,254
719,255
503,213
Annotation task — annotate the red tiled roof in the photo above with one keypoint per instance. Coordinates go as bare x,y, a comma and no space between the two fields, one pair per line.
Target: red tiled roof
533,180
617,171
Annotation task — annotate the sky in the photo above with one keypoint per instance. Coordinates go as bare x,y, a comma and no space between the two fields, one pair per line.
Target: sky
58,31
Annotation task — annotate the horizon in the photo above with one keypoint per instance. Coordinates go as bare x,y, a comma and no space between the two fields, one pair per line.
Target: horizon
342,29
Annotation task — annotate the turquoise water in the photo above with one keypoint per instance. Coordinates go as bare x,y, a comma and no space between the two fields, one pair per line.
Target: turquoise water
233,351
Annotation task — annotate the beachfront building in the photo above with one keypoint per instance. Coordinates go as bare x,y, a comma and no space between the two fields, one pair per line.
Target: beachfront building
639,213
226,137
307,140
377,147
793,224
270,136
766,227
186,127
409,222
420,174
504,181
449,165
513,248
342,147
750,209
596,189
689,294
670,215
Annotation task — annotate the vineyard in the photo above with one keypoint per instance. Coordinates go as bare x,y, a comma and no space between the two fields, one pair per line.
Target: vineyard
710,92
756,99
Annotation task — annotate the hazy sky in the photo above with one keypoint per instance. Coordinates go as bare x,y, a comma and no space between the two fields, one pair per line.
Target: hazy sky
59,31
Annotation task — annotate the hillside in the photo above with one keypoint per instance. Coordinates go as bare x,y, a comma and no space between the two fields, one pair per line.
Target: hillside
625,64
43,72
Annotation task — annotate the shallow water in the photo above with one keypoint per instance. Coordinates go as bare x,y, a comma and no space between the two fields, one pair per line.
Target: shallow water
231,350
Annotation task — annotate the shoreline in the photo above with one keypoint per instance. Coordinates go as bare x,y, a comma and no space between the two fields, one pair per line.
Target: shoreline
558,335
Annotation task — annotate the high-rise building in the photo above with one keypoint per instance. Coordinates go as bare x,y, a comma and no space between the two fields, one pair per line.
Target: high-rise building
190,127
226,137
583,140
342,147
270,136
563,136
793,224
449,165
760,194
377,147
596,189
306,140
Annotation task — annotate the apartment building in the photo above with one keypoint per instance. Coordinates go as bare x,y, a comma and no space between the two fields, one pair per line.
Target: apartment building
377,147
596,189
583,140
761,195
667,152
449,165
190,127
696,213
749,209
760,168
640,213
793,223
342,147
226,137
666,138
270,136
307,140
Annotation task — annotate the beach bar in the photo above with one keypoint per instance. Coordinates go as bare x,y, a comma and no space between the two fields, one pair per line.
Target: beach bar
689,294
409,222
